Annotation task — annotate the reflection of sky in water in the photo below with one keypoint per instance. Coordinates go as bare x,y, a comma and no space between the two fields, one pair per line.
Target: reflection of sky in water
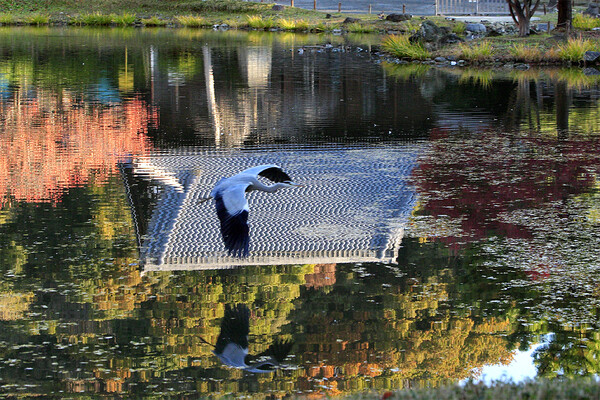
104,92
520,369
4,84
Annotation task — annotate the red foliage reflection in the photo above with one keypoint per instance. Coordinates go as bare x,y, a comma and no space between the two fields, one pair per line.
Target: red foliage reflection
477,180
52,143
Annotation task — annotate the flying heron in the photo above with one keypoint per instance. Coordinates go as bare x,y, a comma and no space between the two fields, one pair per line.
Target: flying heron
232,205
232,344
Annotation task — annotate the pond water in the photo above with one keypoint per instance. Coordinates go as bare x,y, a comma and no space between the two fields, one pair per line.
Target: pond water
446,229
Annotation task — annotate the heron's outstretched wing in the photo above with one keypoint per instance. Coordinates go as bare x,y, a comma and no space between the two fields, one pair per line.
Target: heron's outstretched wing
232,343
232,210
271,172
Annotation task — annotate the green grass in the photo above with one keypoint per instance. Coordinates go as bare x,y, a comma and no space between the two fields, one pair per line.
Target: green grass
585,22
482,51
400,46
410,26
573,50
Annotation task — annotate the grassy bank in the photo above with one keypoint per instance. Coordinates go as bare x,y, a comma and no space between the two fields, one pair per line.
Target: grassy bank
195,13
536,49
559,389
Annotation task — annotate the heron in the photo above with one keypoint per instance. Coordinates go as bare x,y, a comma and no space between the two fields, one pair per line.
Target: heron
232,344
232,205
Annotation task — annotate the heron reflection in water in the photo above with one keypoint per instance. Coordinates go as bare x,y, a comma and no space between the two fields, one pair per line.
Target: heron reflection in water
232,344
232,205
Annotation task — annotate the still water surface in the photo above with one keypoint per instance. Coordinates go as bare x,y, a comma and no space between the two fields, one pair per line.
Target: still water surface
447,227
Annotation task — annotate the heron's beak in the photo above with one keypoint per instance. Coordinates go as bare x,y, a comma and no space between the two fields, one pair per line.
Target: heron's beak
296,184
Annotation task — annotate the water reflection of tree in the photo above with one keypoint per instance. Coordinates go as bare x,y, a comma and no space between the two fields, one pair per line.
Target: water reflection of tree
90,322
522,202
53,142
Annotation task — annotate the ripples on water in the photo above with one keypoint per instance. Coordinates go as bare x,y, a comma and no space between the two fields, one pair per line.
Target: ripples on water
449,218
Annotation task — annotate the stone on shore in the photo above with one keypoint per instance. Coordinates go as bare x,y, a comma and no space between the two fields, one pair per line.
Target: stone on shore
591,56
476,28
398,17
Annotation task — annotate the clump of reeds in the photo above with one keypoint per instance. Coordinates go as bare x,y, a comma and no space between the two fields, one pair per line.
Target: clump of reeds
95,19
232,23
258,22
400,46
482,51
522,52
357,27
154,21
574,49
8,19
292,25
192,21
124,19
38,19
459,28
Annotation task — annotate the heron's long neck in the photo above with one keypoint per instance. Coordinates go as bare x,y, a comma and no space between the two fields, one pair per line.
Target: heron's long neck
257,185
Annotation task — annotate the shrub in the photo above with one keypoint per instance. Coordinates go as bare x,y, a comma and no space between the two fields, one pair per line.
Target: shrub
481,51
585,22
400,46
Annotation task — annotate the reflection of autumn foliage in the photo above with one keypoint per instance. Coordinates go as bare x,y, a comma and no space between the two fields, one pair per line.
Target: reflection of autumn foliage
51,143
324,275
479,178
354,347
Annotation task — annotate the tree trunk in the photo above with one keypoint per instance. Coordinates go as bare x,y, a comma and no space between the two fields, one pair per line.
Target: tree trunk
521,12
524,27
565,14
